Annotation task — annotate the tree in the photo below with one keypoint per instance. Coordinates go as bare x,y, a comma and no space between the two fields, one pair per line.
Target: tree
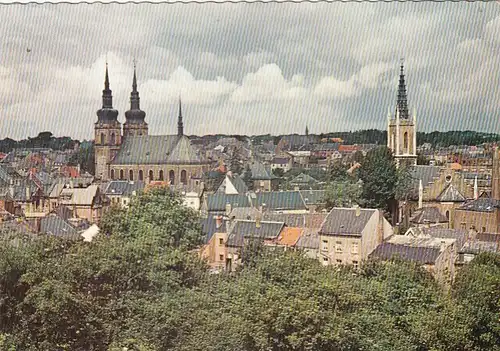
358,156
380,177
338,172
342,194
279,172
247,177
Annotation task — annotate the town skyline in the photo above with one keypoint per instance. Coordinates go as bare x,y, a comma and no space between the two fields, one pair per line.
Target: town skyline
274,78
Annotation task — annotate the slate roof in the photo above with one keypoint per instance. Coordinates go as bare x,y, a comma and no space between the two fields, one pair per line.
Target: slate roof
218,201
428,215
303,178
156,149
427,174
260,172
422,255
481,205
123,187
79,196
280,200
237,182
55,225
343,221
313,197
209,227
308,240
326,147
248,229
451,194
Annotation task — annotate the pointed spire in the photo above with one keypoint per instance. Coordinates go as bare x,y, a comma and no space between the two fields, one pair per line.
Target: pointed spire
307,131
106,78
180,125
135,114
402,101
134,81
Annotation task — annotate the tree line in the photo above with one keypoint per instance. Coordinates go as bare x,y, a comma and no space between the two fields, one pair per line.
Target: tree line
140,285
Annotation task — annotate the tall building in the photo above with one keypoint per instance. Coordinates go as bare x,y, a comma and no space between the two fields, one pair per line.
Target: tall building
136,155
401,128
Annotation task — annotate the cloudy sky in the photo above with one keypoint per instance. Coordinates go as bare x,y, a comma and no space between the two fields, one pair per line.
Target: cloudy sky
250,68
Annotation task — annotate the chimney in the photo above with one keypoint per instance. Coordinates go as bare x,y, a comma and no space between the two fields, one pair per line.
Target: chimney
228,209
11,188
358,210
380,227
257,222
218,222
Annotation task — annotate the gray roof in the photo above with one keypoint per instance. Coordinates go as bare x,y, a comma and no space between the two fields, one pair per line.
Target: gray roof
428,215
303,178
427,174
260,172
313,197
451,194
217,202
422,255
308,240
237,182
156,149
55,225
209,227
280,200
343,221
123,187
248,229
481,205
446,233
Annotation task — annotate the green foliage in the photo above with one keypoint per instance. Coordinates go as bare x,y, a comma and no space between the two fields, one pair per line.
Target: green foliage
85,157
345,193
380,178
279,172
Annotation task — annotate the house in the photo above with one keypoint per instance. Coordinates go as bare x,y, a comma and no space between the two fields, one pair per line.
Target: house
232,185
429,216
349,235
244,231
192,194
314,199
262,177
477,243
214,251
86,203
300,157
436,255
120,192
304,181
284,163
309,243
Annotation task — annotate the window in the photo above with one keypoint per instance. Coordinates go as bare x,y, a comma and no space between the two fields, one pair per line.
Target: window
355,264
221,257
447,214
161,175
141,175
121,174
355,248
324,247
221,241
339,261
103,139
325,259
131,175
112,174
151,175
338,246
483,229
405,142
112,141
171,177
184,177
463,225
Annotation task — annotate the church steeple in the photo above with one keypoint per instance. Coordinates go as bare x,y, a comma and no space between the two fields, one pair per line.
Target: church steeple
307,131
180,125
135,115
402,102
107,113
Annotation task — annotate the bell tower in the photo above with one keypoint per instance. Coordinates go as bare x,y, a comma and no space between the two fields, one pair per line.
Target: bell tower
107,133
135,123
401,128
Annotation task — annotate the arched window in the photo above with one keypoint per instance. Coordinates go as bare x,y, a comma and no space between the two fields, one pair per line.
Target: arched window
405,142
112,174
131,175
103,139
141,175
151,175
160,176
112,141
184,177
121,174
171,177
447,214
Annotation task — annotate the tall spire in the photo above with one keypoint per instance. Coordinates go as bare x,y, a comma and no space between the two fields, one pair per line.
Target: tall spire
107,113
135,115
180,125
307,131
402,103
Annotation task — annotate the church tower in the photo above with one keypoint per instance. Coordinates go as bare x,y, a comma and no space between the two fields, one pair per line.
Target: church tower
401,128
134,118
107,132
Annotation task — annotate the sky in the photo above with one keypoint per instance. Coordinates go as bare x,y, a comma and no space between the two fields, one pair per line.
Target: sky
250,68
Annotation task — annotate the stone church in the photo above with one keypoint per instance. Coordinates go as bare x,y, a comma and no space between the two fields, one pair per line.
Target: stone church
132,154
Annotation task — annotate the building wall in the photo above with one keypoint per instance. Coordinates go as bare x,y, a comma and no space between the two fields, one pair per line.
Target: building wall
215,251
444,267
135,129
482,221
191,171
105,150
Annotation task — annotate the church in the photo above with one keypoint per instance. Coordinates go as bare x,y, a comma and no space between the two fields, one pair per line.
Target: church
130,153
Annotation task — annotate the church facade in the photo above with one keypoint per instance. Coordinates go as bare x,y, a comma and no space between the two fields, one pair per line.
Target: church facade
130,153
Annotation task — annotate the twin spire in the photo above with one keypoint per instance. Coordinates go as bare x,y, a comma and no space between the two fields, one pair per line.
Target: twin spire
135,114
